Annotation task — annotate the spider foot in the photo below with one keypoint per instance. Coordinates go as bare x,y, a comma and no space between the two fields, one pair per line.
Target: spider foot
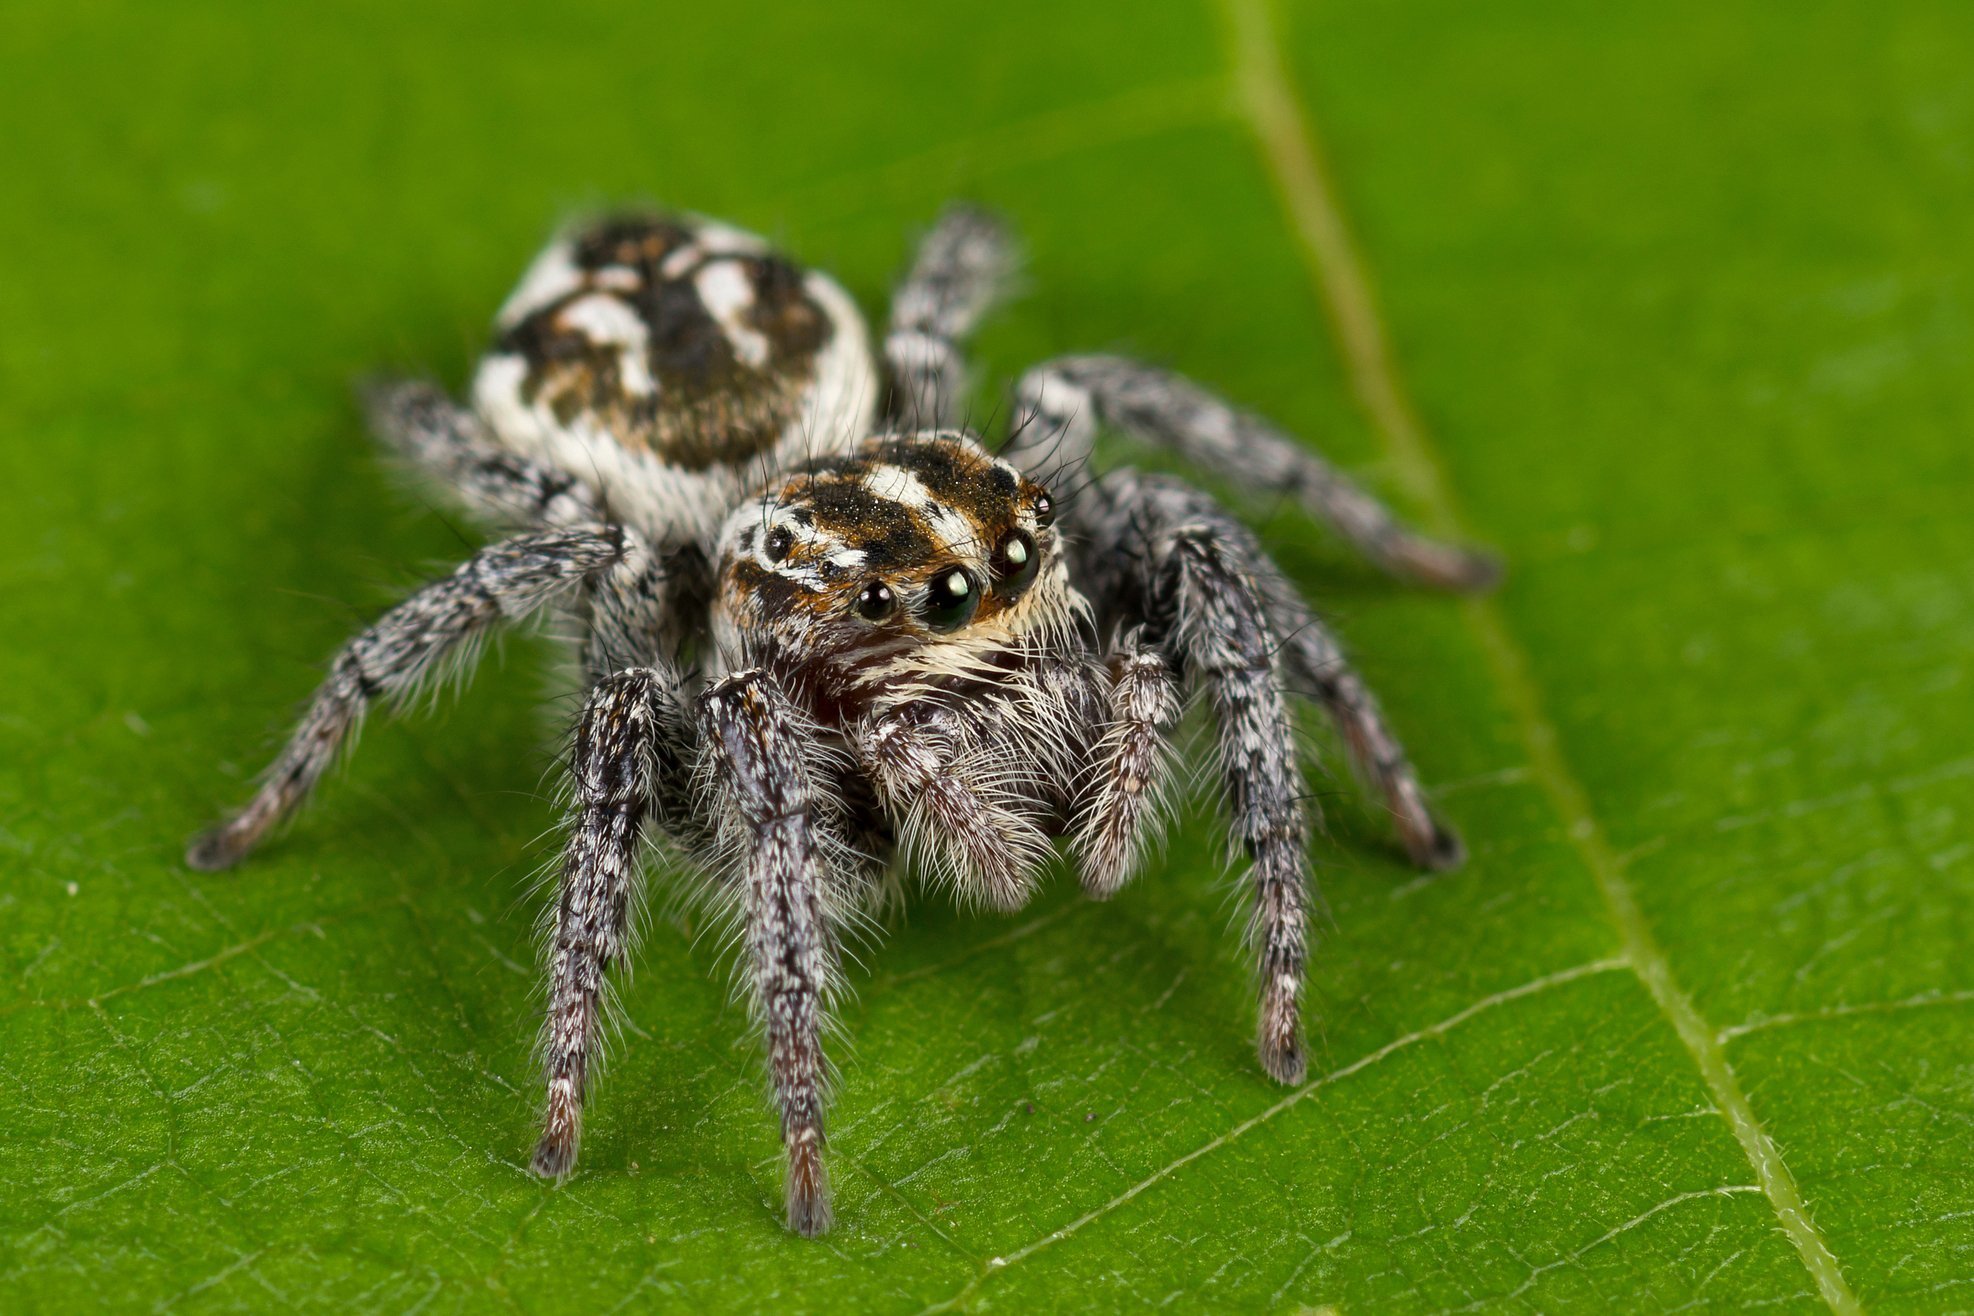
1434,847
1449,567
1280,1040
220,848
555,1154
808,1189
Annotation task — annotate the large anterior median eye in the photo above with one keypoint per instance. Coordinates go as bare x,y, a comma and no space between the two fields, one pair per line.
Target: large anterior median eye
950,600
1015,562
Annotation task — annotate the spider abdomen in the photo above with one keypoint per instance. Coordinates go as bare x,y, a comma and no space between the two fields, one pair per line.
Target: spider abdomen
664,358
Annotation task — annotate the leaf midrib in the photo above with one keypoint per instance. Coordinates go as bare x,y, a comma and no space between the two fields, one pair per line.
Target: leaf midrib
1284,134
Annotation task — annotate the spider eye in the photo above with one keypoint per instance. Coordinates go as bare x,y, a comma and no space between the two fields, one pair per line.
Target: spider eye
875,601
950,600
780,540
1044,508
1015,562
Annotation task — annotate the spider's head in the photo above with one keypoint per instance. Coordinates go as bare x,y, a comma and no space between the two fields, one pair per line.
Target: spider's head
917,561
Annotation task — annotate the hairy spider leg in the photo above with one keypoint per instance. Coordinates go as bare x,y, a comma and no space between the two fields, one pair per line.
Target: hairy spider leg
962,269
1060,405
410,648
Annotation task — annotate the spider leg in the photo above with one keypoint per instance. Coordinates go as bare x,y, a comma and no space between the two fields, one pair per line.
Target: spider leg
961,270
633,757
758,752
1187,573
646,607
1121,796
1125,507
1065,400
431,632
451,444
1314,665
643,757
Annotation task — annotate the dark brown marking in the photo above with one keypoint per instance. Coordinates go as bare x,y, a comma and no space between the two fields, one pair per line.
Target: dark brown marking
959,478
637,241
892,538
783,310
711,407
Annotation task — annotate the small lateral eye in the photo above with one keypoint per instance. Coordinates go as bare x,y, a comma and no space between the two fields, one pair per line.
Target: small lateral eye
950,600
1015,562
1044,508
780,540
875,601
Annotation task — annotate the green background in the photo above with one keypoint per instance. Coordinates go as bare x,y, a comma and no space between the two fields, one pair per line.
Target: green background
1681,294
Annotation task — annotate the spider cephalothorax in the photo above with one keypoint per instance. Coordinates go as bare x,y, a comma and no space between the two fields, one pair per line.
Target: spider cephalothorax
907,564
911,597
819,644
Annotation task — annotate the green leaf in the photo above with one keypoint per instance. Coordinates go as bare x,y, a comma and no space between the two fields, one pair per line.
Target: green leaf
1670,302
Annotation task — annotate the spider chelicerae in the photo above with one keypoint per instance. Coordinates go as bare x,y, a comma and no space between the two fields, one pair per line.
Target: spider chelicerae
823,630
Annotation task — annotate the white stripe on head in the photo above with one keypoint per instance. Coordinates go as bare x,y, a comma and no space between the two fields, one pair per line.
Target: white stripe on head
848,559
896,484
767,515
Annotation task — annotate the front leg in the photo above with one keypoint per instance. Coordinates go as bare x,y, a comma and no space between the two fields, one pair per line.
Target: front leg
758,754
1221,637
640,759
633,756
1167,557
1188,578
1125,514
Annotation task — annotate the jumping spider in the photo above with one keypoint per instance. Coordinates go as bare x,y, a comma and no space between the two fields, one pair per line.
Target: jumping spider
821,627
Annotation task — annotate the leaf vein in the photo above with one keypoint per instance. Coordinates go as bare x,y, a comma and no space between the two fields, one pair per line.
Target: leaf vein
1285,137
1295,1098
1921,1001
